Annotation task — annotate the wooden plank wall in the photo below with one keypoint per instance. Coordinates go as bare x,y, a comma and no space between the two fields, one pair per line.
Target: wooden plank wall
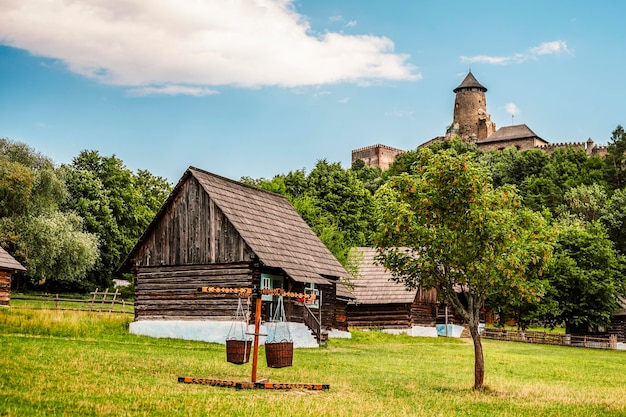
618,327
171,292
5,287
424,314
193,231
379,315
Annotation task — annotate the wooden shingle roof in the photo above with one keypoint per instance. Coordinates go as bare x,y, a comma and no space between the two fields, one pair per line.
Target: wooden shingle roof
8,262
372,285
272,228
470,82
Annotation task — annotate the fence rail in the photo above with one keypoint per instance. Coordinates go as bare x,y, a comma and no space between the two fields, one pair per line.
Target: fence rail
608,342
100,302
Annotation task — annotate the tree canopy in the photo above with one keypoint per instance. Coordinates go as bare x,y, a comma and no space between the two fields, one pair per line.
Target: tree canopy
444,226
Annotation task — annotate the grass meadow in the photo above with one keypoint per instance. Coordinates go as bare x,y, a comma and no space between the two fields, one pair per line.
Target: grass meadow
70,363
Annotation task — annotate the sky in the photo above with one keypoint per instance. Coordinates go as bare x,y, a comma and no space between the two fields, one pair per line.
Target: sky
258,88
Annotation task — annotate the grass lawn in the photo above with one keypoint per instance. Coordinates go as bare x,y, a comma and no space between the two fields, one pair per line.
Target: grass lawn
68,363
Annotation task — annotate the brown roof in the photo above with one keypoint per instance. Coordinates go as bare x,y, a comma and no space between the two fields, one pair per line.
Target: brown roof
372,285
470,82
9,262
513,132
272,228
269,225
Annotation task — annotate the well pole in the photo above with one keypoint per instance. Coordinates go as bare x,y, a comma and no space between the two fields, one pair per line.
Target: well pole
257,328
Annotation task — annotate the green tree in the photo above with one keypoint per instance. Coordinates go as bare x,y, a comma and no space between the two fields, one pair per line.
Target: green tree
371,177
89,199
614,218
616,159
340,194
585,202
117,204
57,252
444,226
586,274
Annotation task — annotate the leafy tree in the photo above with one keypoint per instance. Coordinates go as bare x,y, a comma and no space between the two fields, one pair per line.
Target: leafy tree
56,250
52,245
445,226
339,193
585,202
616,159
117,204
586,274
511,166
614,218
371,177
89,199
29,184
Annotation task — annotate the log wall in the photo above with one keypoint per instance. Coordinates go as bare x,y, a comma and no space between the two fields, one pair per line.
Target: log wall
424,314
193,231
618,327
379,315
171,292
5,287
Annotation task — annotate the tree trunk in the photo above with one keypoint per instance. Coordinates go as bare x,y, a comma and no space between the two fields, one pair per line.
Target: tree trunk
479,360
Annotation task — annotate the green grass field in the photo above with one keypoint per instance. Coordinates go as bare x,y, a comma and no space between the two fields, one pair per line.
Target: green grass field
68,363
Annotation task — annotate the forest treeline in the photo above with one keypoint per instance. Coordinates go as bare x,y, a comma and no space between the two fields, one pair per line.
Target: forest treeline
72,225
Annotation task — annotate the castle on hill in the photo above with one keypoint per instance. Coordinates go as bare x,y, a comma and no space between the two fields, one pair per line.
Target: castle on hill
473,124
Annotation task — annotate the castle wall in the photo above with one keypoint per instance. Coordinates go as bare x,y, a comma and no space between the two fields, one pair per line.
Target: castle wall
521,144
377,156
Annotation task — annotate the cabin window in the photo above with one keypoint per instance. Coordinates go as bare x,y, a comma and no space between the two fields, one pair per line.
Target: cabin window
310,288
270,282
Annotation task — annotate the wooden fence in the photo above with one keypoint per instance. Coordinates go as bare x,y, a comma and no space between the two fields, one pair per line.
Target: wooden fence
100,302
597,342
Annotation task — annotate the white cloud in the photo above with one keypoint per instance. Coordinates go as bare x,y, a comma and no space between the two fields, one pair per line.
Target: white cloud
351,24
512,109
246,43
546,48
344,100
171,90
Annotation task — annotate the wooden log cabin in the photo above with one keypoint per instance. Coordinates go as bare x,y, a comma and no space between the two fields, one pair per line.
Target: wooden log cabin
382,303
8,267
212,231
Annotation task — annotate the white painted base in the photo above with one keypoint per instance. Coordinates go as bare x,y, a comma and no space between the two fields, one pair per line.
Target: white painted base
415,331
453,330
621,346
213,331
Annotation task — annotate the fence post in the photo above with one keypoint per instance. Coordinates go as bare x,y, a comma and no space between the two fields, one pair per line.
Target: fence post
56,301
613,341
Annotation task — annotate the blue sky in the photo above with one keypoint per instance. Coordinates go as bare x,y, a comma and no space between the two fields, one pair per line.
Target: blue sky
262,87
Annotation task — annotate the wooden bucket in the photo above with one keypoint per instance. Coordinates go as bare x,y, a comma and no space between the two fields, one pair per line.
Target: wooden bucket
279,354
238,351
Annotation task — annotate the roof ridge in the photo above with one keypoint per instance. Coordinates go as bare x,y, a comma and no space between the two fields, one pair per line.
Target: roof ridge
238,183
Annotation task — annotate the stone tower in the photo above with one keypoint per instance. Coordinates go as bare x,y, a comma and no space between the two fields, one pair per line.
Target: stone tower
471,122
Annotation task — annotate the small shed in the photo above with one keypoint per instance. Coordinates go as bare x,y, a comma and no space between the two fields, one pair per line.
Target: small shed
213,231
382,303
8,267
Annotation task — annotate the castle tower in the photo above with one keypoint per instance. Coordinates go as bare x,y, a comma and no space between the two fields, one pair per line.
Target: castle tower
471,122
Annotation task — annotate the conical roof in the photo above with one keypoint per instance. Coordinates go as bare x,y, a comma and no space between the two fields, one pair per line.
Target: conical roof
470,82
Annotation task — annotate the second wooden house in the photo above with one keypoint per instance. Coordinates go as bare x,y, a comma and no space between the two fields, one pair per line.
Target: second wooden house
384,304
213,231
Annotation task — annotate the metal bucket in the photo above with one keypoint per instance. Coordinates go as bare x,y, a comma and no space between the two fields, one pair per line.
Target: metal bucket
279,354
238,351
